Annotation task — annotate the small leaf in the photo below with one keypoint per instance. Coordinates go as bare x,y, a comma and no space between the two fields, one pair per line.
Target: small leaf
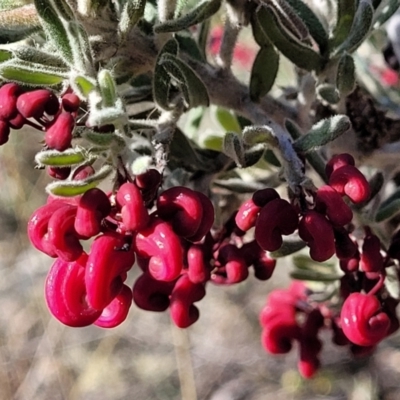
346,10
189,46
359,30
253,135
314,25
38,56
55,29
328,93
162,80
233,147
313,276
227,119
107,115
290,245
31,74
386,12
82,85
5,55
108,88
203,11
313,158
65,158
300,54
346,78
389,208
264,72
132,11
213,142
322,133
99,139
75,188
193,89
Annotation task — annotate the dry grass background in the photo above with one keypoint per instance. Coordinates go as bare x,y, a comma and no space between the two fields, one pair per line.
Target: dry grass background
219,358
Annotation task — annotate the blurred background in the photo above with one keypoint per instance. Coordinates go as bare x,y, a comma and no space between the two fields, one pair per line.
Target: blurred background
218,358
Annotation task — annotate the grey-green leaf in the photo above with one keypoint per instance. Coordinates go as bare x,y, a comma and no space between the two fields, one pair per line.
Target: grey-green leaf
200,13
75,188
359,30
193,89
346,10
389,208
65,158
314,25
161,79
55,29
264,72
322,133
300,54
346,75
31,74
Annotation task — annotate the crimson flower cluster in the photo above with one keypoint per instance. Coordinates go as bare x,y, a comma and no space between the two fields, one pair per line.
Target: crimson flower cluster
169,235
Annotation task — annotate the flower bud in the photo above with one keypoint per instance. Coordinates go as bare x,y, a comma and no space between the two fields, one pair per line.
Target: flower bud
58,135
277,218
182,208
4,132
371,259
184,294
107,263
117,311
134,214
198,269
348,180
8,100
337,161
362,320
93,207
35,103
151,294
233,266
207,219
317,232
161,244
70,102
328,201
66,293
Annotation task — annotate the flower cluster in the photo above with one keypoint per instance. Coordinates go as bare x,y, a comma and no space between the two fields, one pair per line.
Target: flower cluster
169,234
40,109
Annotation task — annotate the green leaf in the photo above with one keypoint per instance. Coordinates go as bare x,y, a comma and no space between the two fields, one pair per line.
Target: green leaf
103,139
346,75
162,80
227,119
322,133
328,93
193,121
108,88
203,11
359,30
263,72
189,46
314,276
313,158
289,246
213,142
55,29
131,13
193,89
253,135
314,25
65,158
31,74
38,56
386,12
300,54
75,188
233,148
389,208
5,55
346,10
82,85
